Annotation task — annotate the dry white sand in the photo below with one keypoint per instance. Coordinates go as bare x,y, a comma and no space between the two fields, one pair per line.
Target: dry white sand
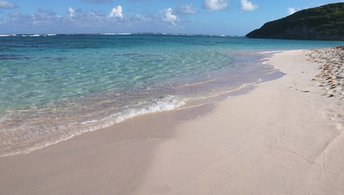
283,137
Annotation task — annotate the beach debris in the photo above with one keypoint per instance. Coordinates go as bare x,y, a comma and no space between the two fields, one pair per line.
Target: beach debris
331,77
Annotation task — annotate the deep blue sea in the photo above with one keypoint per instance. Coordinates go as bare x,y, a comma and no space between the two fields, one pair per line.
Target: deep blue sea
58,86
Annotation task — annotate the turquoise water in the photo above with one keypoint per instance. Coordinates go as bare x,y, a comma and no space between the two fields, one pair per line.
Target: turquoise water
56,87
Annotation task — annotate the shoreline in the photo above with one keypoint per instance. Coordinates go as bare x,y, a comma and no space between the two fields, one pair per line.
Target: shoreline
281,137
192,106
22,137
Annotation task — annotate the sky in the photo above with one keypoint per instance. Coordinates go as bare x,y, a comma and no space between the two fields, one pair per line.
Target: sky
217,17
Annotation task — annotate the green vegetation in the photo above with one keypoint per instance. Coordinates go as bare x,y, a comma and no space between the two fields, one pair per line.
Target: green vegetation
321,23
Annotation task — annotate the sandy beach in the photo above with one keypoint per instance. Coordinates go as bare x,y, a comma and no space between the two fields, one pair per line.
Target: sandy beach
283,137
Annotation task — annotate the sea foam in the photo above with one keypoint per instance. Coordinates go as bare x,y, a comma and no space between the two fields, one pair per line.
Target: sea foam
163,104
157,105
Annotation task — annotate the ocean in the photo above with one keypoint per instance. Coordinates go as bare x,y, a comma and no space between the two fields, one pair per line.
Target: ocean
54,87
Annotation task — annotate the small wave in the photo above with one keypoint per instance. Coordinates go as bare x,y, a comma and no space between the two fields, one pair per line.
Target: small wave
228,91
159,105
107,33
198,83
30,35
264,59
269,52
9,35
163,104
115,33
36,35
124,34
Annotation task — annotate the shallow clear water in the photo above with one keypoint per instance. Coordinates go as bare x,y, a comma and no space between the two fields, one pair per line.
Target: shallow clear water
55,87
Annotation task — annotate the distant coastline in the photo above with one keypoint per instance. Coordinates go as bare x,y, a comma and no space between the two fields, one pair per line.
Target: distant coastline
321,23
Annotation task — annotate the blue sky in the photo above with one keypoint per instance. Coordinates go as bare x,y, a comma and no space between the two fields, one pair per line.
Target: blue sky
228,17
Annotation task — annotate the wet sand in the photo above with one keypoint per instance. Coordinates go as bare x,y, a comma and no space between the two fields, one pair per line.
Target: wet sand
282,137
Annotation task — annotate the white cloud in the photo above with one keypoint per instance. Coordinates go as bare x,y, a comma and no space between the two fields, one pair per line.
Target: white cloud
48,21
247,5
291,10
116,12
188,9
71,12
6,5
169,16
215,5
